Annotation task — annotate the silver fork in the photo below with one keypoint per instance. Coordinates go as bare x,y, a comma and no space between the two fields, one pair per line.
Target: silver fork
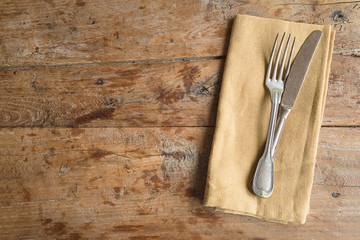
263,182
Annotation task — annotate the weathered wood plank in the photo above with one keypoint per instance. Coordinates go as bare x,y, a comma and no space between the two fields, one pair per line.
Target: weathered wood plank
50,153
171,216
158,94
164,94
338,158
149,182
61,32
343,97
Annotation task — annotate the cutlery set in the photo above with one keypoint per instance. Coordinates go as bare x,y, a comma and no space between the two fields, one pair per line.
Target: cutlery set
284,89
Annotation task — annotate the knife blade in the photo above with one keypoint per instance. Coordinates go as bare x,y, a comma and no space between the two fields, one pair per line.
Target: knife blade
294,82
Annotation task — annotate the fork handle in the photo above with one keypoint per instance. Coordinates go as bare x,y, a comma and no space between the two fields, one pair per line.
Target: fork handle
263,182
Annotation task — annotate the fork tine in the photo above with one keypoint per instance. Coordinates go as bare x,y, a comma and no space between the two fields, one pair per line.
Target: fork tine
289,62
277,57
271,58
284,58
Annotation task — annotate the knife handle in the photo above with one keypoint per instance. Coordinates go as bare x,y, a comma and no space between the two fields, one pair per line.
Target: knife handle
282,116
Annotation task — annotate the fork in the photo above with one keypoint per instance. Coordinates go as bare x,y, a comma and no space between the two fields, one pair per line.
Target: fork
263,182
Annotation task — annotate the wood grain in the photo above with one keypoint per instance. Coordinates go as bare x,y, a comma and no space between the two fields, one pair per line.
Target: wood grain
106,120
148,182
343,99
179,218
162,94
62,32
157,94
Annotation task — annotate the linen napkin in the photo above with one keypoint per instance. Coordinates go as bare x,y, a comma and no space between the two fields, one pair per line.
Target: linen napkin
243,119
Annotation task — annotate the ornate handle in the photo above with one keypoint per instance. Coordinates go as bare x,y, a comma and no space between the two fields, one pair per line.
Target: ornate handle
264,178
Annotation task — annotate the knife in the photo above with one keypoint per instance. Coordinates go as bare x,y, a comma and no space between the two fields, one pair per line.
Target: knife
294,82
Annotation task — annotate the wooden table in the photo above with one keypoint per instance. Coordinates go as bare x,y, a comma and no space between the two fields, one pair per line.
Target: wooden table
108,112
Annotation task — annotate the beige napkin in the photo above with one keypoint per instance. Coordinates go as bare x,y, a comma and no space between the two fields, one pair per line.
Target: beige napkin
243,120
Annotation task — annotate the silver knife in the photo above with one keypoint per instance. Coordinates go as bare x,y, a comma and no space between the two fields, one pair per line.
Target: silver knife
294,82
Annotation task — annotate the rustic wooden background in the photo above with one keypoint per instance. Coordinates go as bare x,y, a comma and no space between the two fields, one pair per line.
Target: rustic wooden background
107,112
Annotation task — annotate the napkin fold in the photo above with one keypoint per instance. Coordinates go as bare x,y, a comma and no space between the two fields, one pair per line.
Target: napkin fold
243,119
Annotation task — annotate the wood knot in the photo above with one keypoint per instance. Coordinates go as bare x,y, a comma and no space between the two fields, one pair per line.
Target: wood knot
338,16
100,81
335,195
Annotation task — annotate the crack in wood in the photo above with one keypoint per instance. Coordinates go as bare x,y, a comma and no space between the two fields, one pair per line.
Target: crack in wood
317,4
94,64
